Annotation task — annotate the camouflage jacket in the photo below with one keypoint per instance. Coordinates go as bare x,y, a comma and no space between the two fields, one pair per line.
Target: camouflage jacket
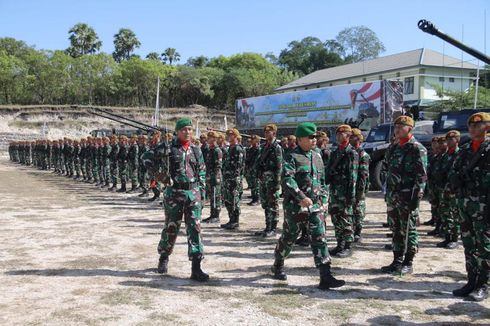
205,150
470,177
302,178
122,155
186,167
444,168
133,154
251,154
435,173
405,172
362,183
113,155
106,152
342,173
214,165
233,164
269,161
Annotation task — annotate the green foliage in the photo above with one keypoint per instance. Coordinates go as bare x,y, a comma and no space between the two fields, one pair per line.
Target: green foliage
454,100
359,43
170,55
125,42
83,40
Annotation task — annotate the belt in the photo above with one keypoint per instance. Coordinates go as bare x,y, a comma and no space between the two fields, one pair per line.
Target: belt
185,185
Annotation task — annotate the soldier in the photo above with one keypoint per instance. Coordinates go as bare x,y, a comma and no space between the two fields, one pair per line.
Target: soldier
76,159
431,194
302,185
155,145
113,155
448,208
232,178
284,144
269,169
362,183
404,170
434,186
204,145
105,162
470,178
122,162
133,156
184,197
143,180
83,158
214,165
88,159
69,157
250,173
291,145
342,172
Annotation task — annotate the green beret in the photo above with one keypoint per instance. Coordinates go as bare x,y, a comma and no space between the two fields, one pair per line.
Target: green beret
183,122
305,129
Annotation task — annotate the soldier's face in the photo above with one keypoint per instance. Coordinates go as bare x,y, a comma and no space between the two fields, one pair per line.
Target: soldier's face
185,134
355,141
269,135
442,146
477,130
342,137
306,143
211,141
402,131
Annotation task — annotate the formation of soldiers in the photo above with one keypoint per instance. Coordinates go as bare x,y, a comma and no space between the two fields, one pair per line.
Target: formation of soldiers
313,178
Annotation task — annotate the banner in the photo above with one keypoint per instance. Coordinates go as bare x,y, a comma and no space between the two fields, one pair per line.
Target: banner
378,101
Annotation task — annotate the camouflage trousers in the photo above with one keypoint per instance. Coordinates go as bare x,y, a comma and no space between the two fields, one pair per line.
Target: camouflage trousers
95,170
253,184
475,232
133,173
143,178
106,171
449,213
214,194
341,215
434,206
178,204
88,168
269,199
233,191
403,220
70,166
123,171
114,172
293,224
76,166
359,213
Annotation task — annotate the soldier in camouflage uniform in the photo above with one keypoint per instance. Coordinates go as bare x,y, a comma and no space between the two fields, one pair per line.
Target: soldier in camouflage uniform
433,200
302,185
184,199
122,162
251,155
105,162
114,171
470,178
88,159
156,146
94,147
133,157
76,159
233,166
69,157
405,172
83,158
448,208
269,169
214,176
362,183
433,170
143,179
342,173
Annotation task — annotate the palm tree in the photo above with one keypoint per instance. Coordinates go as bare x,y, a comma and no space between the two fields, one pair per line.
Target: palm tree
125,42
83,40
170,55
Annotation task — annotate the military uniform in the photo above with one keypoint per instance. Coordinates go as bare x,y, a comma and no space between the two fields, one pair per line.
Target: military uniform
214,176
362,187
113,158
122,163
250,173
133,155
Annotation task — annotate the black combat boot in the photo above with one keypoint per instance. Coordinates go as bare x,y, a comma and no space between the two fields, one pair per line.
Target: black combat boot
340,247
395,265
444,243
430,222
267,229
213,218
106,184
113,188
436,231
407,265
480,292
327,281
272,231
357,235
197,273
304,239
453,243
123,187
278,270
255,202
234,223
468,287
162,264
345,252
133,189
144,193
156,194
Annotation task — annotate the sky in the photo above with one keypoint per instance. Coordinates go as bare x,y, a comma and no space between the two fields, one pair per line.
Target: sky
226,27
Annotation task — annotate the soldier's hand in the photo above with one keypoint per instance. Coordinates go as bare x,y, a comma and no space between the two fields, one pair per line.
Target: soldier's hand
307,202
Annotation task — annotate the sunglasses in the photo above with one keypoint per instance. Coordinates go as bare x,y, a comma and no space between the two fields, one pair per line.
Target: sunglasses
312,137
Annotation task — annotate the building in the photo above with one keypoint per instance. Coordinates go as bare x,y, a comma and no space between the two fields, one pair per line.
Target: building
422,72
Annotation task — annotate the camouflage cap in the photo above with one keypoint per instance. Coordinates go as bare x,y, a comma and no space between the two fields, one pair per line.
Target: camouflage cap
233,131
343,128
404,120
479,117
270,127
453,133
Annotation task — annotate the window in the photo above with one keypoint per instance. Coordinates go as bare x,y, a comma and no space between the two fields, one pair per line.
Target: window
408,85
398,74
441,79
380,77
451,80
364,79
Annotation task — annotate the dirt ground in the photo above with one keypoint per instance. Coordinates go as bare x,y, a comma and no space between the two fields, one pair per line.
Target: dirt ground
73,254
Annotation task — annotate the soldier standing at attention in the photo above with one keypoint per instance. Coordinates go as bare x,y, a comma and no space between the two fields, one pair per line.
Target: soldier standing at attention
362,183
106,162
269,169
113,159
143,179
470,177
214,165
342,173
430,186
133,157
76,158
184,199
448,207
302,186
204,145
122,162
250,158
405,175
435,189
232,179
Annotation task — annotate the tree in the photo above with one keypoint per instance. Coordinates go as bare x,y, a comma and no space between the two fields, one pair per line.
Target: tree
455,100
359,43
153,56
125,42
83,40
198,62
170,55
